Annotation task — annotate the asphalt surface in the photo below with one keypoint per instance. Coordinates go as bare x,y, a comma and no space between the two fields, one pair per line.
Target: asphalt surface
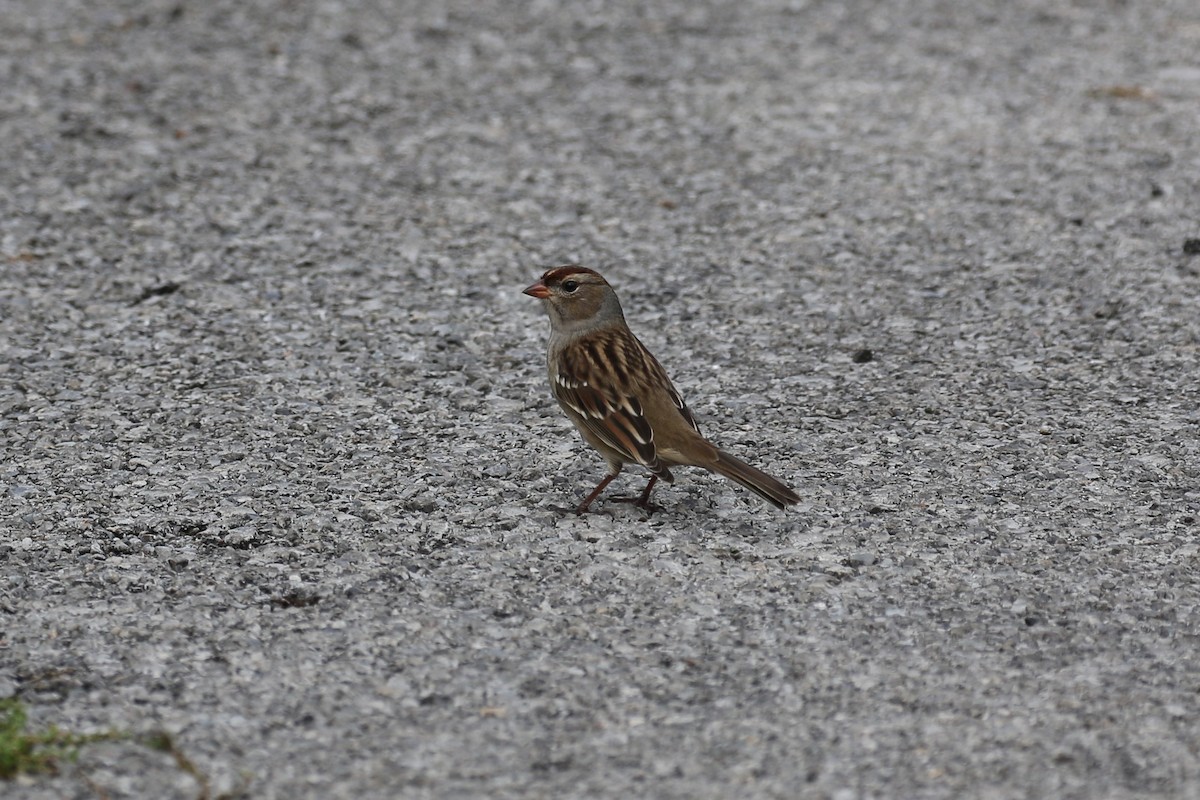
280,468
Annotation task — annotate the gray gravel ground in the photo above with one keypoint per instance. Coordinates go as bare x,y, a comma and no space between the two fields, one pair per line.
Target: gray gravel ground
279,461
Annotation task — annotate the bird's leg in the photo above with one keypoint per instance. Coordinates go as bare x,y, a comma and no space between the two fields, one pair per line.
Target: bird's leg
595,493
642,502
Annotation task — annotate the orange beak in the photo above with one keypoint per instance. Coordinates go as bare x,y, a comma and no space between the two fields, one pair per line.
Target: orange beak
537,290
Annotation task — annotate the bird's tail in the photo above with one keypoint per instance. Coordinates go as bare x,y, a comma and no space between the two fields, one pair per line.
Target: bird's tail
755,480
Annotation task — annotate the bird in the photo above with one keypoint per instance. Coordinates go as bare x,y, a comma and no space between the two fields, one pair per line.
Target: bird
619,396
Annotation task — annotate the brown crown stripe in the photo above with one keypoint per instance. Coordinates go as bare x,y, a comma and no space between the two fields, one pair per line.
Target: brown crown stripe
561,273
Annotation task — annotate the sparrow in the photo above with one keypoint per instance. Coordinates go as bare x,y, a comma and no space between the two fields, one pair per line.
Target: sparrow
619,396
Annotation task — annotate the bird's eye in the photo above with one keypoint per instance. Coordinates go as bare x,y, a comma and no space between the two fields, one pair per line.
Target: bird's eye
570,286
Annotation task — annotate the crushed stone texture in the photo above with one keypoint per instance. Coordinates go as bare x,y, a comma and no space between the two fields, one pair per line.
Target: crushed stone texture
280,470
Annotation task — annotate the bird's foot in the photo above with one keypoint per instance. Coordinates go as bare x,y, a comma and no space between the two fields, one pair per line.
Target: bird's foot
641,502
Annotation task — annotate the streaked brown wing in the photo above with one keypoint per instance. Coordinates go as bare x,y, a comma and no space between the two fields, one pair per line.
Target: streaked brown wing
601,377
676,398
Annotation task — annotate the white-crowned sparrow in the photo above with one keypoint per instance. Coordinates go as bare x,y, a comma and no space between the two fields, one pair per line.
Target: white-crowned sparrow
620,397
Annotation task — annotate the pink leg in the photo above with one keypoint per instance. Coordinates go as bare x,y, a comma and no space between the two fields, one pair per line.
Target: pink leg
642,502
595,493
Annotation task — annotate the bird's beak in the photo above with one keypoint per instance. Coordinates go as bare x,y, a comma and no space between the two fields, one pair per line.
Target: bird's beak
537,290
